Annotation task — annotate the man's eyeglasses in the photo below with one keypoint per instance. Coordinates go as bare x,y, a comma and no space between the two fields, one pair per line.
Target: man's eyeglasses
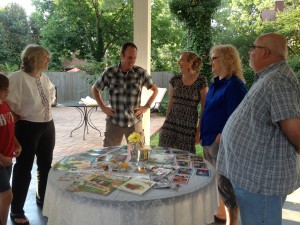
253,46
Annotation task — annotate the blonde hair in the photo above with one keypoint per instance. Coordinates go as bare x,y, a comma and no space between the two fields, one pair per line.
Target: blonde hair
31,55
192,56
230,59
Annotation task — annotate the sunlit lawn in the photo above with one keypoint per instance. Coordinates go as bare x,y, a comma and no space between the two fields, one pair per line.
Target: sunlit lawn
154,142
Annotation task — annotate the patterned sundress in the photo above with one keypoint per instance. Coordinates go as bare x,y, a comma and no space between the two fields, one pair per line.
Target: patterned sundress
180,126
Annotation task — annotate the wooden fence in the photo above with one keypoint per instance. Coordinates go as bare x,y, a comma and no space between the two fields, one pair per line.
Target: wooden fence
73,87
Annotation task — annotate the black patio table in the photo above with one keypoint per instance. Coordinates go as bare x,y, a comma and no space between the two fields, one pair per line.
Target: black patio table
85,111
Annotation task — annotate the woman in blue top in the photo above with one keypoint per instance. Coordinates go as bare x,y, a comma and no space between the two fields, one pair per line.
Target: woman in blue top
225,94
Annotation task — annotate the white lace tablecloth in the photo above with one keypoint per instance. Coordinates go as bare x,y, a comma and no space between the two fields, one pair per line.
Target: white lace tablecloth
192,204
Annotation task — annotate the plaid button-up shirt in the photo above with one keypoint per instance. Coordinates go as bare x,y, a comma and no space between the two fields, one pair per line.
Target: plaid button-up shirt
125,91
254,153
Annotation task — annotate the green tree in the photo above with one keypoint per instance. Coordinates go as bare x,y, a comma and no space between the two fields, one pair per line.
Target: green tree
15,34
94,27
167,40
197,16
288,24
97,28
238,22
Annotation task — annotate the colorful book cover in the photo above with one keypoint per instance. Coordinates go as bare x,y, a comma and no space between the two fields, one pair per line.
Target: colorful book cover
68,176
102,183
137,185
101,187
72,162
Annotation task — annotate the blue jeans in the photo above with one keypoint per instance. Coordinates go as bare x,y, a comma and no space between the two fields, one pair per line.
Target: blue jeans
258,209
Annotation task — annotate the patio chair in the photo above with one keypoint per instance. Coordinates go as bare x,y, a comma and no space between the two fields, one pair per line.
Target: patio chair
158,99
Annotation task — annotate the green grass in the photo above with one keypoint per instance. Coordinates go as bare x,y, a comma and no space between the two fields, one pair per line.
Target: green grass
154,142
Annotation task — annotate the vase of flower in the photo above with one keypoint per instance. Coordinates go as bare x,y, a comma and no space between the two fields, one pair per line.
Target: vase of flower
134,139
134,152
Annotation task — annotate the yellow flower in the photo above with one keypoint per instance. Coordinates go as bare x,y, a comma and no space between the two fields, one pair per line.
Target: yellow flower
135,137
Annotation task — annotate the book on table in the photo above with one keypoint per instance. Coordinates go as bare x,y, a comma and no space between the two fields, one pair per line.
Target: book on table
73,162
137,185
103,183
99,183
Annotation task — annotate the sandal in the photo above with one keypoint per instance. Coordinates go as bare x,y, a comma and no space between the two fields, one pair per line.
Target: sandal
13,218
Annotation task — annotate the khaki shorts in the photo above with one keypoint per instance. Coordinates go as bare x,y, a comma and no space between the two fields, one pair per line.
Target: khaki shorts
114,134
211,153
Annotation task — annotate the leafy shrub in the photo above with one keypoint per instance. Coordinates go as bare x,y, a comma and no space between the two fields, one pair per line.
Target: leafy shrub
7,68
294,62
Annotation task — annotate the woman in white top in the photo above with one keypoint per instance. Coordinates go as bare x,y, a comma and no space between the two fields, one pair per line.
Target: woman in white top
30,96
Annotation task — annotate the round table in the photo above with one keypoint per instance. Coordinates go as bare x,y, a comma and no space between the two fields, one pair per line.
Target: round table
193,203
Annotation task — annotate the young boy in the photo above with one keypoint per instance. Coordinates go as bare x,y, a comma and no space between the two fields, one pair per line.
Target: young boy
9,148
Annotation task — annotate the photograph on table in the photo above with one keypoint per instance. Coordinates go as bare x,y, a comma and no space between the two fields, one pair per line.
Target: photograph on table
199,165
196,158
203,172
182,157
181,179
184,171
183,163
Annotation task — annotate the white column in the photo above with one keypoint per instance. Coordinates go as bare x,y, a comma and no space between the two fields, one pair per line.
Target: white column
142,38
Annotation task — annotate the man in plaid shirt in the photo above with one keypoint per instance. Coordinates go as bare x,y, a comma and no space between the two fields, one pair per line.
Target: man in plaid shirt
124,83
260,144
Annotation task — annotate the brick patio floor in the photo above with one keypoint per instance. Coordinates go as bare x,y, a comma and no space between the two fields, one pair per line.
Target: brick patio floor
67,118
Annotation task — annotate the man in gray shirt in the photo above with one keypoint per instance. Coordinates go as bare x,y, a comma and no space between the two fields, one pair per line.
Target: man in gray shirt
260,145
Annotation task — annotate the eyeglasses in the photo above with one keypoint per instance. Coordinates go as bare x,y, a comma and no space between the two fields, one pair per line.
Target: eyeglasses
253,46
214,58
